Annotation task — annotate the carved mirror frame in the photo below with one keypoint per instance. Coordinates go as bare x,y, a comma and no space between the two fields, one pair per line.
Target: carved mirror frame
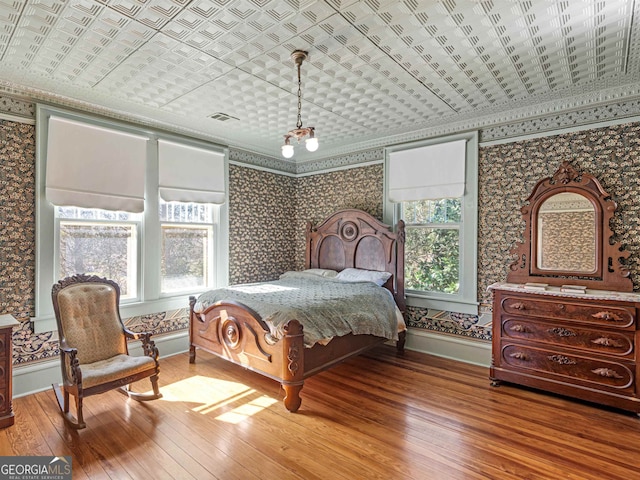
609,273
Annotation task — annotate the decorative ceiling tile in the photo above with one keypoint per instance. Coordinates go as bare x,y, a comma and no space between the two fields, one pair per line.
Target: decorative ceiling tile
377,69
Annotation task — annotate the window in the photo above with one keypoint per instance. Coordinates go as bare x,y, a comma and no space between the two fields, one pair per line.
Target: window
160,250
432,258
99,242
439,207
187,246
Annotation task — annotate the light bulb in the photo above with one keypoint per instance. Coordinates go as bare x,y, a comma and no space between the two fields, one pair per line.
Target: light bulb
312,144
287,151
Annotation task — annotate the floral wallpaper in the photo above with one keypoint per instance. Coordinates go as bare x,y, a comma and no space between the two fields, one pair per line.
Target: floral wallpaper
268,214
318,196
262,224
508,172
17,237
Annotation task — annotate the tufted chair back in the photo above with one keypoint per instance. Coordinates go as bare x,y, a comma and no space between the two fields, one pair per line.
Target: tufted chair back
90,320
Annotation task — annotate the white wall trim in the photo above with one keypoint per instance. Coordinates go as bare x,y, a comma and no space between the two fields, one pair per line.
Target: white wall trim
461,349
16,118
38,377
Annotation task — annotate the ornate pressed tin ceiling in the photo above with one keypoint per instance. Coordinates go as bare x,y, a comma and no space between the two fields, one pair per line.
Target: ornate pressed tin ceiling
379,71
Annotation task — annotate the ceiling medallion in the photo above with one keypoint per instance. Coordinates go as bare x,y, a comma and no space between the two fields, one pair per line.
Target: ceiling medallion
298,56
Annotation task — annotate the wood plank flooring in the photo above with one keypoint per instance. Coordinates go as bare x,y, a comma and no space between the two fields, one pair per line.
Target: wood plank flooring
377,416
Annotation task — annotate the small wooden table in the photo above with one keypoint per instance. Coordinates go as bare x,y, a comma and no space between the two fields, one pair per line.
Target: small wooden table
7,322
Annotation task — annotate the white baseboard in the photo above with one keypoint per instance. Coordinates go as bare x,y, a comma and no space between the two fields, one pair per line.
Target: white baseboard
38,377
476,352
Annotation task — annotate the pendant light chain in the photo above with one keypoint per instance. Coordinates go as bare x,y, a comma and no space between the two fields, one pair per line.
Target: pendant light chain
299,124
300,132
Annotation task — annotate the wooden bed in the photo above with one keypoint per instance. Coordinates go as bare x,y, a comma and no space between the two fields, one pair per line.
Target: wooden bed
348,238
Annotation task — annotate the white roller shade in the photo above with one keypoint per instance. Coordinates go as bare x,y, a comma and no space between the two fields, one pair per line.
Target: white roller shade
94,167
433,171
190,174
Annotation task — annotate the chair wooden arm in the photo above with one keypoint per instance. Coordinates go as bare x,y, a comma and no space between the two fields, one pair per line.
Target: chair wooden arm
72,374
130,334
148,345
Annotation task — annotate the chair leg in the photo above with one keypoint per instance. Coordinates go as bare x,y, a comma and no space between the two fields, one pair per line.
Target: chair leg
66,401
154,384
143,397
79,410
62,397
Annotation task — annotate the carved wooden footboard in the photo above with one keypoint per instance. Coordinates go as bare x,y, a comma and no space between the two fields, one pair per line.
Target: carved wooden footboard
350,238
238,334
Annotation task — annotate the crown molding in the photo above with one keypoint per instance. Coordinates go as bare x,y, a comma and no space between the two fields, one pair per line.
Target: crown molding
546,117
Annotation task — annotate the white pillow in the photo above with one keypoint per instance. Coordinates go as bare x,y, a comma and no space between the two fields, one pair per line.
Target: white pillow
361,275
323,272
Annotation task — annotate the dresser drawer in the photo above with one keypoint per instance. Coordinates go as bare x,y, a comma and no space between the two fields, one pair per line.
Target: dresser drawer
568,309
582,338
570,368
4,343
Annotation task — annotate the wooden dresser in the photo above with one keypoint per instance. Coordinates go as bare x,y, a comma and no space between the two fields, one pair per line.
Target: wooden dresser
7,322
580,345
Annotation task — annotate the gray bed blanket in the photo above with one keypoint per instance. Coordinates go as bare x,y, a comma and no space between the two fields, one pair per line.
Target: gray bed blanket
326,307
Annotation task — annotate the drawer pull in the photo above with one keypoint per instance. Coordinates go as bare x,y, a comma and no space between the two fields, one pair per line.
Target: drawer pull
561,360
606,372
519,356
519,306
562,332
608,316
608,342
520,328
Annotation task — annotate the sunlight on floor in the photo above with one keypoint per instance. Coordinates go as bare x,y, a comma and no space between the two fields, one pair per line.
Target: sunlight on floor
240,413
211,394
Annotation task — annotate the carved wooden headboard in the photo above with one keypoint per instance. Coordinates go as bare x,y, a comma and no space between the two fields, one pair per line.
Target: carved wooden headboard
354,239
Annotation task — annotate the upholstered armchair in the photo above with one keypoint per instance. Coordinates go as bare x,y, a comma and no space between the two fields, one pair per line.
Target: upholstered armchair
93,345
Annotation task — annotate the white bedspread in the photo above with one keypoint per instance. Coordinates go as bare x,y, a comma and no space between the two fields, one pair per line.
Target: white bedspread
326,307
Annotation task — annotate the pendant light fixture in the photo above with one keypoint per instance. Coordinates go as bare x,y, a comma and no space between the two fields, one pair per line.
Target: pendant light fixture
298,56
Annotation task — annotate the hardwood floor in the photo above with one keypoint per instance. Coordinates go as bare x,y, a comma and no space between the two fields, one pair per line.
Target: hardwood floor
377,416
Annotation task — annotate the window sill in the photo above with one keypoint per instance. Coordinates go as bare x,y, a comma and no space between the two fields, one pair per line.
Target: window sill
457,305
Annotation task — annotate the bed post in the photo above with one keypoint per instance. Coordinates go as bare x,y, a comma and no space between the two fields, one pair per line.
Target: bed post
309,246
400,239
293,364
400,299
192,348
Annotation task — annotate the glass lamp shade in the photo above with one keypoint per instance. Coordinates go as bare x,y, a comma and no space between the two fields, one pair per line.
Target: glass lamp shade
287,151
312,144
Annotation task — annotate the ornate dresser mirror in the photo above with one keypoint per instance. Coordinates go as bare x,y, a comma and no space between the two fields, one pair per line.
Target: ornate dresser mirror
567,238
567,320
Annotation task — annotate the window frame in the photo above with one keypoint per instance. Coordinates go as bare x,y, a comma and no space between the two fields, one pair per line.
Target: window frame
149,256
465,300
448,226
136,223
211,225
